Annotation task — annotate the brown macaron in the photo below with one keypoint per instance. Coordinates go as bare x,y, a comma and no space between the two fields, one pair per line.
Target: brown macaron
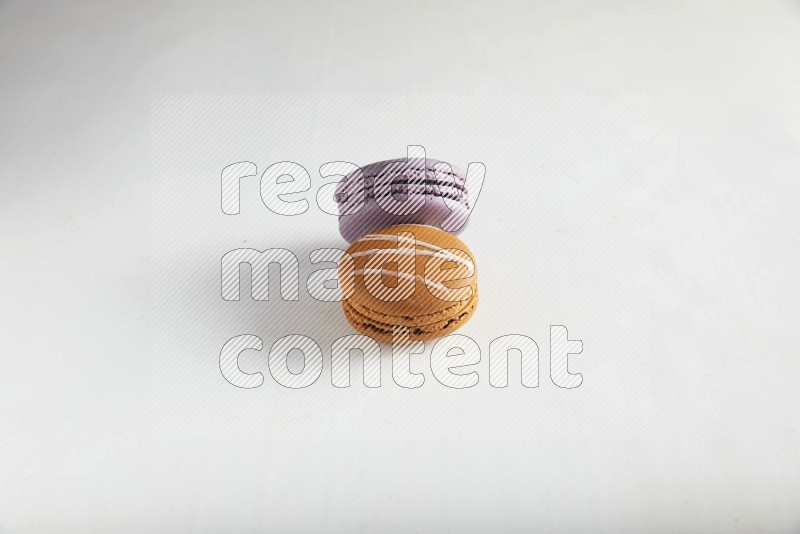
410,275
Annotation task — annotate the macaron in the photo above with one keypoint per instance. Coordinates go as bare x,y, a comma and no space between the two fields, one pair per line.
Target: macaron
402,191
412,275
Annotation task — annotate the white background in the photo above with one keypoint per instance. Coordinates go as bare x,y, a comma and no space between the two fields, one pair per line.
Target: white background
689,424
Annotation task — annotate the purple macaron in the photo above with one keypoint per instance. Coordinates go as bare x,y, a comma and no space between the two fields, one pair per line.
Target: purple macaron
402,191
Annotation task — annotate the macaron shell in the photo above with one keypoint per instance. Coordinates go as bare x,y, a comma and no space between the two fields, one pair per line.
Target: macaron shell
442,189
423,311
403,165
383,330
456,309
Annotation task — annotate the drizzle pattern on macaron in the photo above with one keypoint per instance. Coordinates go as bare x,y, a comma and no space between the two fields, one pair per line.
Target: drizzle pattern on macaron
434,271
436,282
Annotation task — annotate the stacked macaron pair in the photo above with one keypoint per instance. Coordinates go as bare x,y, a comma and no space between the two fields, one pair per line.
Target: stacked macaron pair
405,266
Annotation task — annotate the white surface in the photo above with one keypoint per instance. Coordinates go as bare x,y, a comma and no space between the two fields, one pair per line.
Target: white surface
90,442
565,243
